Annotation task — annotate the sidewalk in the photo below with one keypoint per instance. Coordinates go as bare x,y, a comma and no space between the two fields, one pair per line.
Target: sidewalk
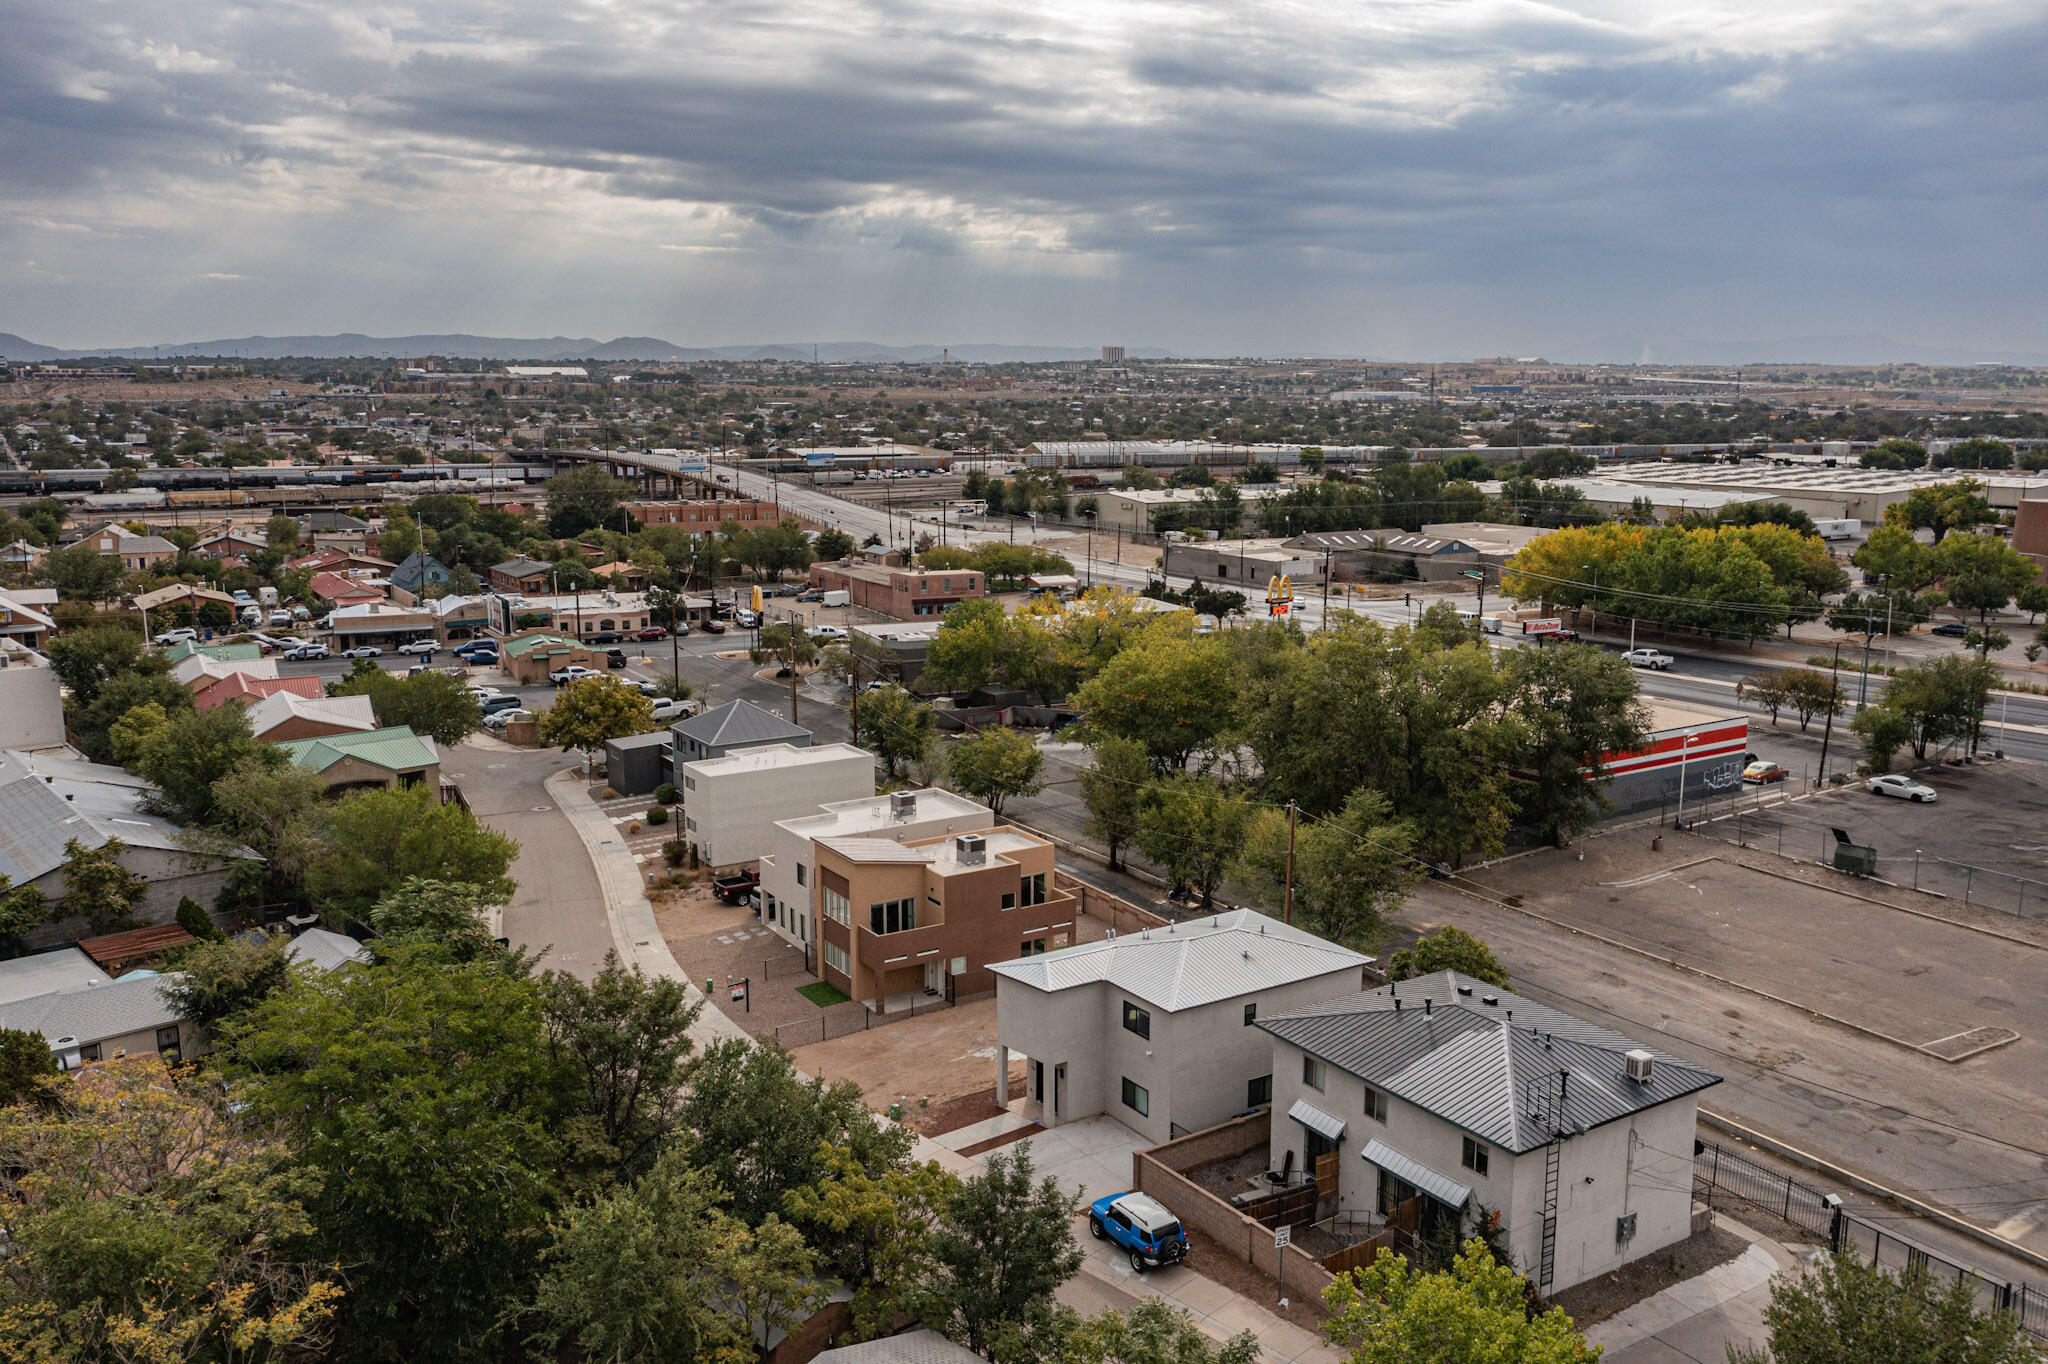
1700,1318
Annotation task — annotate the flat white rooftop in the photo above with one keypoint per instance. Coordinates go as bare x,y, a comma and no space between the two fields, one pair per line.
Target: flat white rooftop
772,757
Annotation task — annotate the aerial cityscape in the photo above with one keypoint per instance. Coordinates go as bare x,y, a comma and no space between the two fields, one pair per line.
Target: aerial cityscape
1386,703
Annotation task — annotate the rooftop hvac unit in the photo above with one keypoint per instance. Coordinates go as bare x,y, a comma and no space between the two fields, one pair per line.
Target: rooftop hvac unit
972,849
903,805
1640,1066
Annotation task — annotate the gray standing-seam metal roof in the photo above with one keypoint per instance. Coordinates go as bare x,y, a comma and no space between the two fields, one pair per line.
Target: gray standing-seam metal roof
326,949
1442,1188
913,1347
737,722
1317,1121
1483,1067
1186,965
659,738
47,801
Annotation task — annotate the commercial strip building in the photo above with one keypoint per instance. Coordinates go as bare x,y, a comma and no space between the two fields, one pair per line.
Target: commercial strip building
1155,1028
1137,509
901,922
1443,1100
789,875
704,518
900,593
1823,489
379,623
1702,746
530,655
600,616
1242,563
730,804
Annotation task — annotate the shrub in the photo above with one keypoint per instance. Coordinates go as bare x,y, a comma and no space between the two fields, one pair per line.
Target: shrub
634,827
657,814
666,793
193,918
607,794
674,851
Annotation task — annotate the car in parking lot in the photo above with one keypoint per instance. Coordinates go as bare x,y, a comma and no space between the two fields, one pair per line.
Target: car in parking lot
575,672
502,701
1761,773
652,632
1901,786
813,594
306,653
498,719
1142,1225
746,619
423,647
363,651
714,626
615,658
1951,629
181,635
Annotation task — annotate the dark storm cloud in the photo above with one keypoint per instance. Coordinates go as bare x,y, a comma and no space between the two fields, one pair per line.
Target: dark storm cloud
1436,146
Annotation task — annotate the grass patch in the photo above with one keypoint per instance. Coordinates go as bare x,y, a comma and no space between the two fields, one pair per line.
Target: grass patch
824,994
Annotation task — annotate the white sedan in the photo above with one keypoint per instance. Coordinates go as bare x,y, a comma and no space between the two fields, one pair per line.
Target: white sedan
363,651
1905,788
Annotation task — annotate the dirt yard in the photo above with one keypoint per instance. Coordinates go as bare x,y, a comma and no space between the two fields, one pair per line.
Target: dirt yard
718,943
1598,1299
919,1062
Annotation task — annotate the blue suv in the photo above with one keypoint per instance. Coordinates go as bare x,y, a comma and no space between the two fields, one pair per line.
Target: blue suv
1142,1225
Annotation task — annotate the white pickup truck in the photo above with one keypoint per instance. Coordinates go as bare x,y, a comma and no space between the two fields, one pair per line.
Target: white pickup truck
1647,658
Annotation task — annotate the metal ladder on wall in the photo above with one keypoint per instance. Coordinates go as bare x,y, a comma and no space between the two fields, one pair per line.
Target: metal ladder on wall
1543,1097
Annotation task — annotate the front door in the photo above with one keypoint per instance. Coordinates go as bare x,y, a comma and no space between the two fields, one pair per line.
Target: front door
1059,1090
1038,1082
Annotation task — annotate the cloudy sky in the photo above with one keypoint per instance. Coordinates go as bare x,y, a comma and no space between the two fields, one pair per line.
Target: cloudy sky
1415,178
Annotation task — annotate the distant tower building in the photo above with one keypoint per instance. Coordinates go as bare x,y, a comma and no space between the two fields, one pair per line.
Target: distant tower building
1112,355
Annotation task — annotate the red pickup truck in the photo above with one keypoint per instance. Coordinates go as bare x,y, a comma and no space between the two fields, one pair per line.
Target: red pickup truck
737,888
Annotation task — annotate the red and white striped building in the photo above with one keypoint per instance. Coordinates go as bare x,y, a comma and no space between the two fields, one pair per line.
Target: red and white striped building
1706,745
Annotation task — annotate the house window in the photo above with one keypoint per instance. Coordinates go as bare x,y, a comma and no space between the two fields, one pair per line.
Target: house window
1033,888
893,916
1259,1091
1375,1104
689,783
836,906
836,958
167,1043
1138,1098
1251,1013
1313,1073
1031,947
800,874
1137,1020
1009,899
1475,1156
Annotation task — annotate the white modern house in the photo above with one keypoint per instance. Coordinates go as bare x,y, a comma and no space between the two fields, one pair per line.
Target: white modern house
789,869
1444,1099
31,702
731,803
1156,1028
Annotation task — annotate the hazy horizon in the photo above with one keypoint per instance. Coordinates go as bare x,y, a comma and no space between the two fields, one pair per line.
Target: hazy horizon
1713,181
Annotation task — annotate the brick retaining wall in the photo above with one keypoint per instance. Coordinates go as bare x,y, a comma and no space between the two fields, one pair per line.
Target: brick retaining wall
1158,1172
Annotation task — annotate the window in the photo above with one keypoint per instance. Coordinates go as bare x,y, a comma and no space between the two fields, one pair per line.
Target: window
1475,1156
835,905
1137,1020
768,903
801,874
1032,888
1312,1073
836,958
1030,947
1009,899
1259,1091
893,916
1137,1097
689,783
1251,1014
1375,1104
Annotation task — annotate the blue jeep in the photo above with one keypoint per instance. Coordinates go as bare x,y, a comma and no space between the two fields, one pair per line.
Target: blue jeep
1141,1225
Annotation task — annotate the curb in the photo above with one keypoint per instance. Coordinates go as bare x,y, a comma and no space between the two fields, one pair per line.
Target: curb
628,913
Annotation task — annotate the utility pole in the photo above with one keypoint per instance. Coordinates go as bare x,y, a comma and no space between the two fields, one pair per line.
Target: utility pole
1287,910
1827,734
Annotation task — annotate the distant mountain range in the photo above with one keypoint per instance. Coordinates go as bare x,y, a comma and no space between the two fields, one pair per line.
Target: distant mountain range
545,350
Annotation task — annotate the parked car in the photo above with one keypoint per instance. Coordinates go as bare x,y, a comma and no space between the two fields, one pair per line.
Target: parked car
495,705
1952,629
480,658
1647,658
476,646
1904,787
306,653
575,672
669,708
281,617
1142,1225
498,719
826,632
644,688
746,619
734,889
363,651
615,658
178,636
652,632
714,626
423,647
811,595
1762,773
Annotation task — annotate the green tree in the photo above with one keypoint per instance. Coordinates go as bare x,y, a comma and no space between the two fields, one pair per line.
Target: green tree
1477,1309
1983,573
1003,1247
1979,452
192,750
1891,552
148,1222
1941,508
623,1039
1577,705
400,538
82,574
446,914
224,978
834,544
661,1270
1153,1332
1810,692
1939,703
21,909
423,1097
1168,690
97,888
1113,787
1764,688
1895,454
276,811
995,765
1350,869
1844,1311
1884,732
873,1230
86,660
976,645
591,711
581,499
1193,828
281,533
896,727
27,1066
1450,948
376,840
1557,462
193,918
433,704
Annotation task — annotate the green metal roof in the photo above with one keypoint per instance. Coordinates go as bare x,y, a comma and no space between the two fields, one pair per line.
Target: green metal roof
396,748
219,653
520,648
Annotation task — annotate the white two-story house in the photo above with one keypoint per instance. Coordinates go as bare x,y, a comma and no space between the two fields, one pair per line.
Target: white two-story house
1445,1100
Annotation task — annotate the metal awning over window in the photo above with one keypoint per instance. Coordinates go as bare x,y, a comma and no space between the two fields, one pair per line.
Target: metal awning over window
1442,1188
1317,1121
